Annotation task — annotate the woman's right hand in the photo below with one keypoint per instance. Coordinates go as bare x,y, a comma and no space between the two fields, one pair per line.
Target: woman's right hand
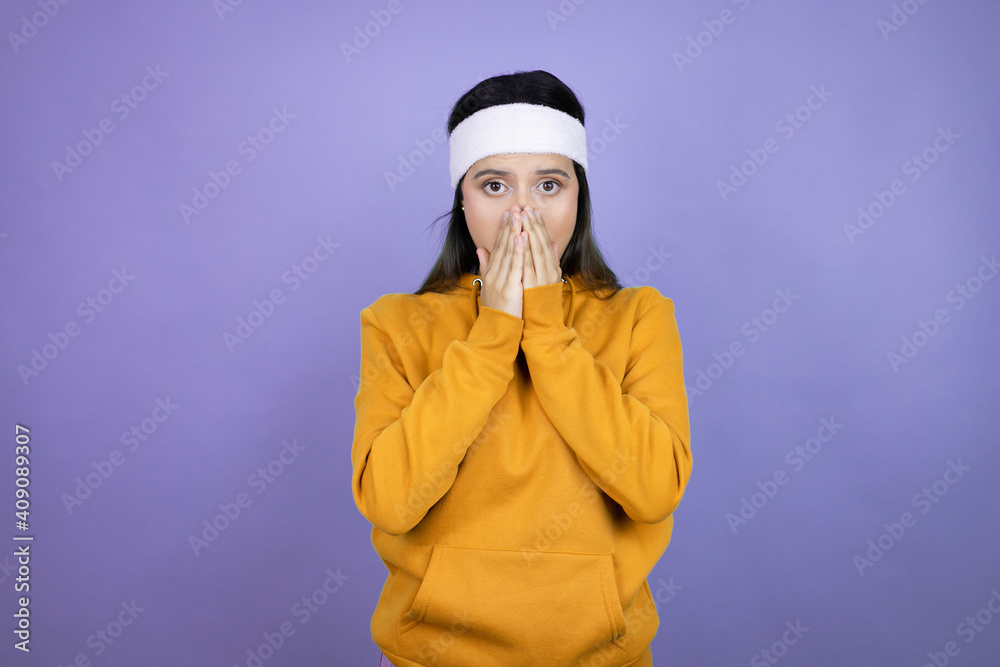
501,270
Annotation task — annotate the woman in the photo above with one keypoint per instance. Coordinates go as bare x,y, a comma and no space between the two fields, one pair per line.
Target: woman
522,434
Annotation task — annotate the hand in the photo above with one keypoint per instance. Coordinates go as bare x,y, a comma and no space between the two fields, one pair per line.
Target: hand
541,262
501,269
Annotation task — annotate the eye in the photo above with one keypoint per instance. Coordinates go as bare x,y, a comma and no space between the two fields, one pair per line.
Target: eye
488,185
555,183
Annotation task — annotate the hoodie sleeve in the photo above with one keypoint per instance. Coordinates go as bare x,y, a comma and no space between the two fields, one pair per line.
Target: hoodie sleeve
408,442
633,438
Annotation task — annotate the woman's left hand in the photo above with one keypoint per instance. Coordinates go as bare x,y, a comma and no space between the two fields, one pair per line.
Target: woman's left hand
541,265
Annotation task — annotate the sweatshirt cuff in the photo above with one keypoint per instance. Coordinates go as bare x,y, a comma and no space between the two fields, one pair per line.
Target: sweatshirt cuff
498,332
543,309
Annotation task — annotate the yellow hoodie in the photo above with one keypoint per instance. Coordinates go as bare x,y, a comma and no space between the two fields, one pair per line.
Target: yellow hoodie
520,475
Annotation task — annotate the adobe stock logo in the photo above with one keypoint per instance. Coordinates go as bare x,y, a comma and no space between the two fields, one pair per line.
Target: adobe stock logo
60,340
753,329
264,309
925,499
899,17
303,610
231,511
105,468
565,9
787,125
779,648
969,627
122,106
927,329
915,168
249,148
796,458
223,7
714,28
363,38
31,25
105,636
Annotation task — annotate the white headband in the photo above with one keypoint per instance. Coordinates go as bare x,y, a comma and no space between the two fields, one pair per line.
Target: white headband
515,128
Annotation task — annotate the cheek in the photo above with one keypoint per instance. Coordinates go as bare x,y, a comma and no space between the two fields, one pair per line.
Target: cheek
482,227
560,223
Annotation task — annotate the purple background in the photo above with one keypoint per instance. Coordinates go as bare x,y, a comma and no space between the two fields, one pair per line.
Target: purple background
671,133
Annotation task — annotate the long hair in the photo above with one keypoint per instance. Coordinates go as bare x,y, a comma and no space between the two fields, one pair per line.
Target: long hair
458,255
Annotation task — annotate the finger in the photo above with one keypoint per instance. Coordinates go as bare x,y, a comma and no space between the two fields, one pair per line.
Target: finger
515,215
541,221
557,271
498,243
529,272
543,231
501,248
529,260
518,218
509,251
517,266
544,260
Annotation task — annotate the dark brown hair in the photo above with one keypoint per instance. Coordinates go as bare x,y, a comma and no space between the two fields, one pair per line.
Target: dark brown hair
458,255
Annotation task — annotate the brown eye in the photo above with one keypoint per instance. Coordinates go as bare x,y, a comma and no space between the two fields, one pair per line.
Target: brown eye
555,183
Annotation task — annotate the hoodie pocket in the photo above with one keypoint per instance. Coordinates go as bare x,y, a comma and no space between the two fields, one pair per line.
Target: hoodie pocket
495,607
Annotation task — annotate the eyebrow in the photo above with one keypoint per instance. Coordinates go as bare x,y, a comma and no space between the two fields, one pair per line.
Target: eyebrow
540,172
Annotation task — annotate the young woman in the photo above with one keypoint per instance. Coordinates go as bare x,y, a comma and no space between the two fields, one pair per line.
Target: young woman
522,435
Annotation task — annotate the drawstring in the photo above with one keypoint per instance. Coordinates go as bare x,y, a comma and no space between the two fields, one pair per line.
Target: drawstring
572,293
476,285
477,288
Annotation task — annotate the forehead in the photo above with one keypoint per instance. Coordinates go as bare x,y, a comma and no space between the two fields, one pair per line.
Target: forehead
524,161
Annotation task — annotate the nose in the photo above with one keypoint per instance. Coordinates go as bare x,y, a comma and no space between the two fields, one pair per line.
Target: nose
523,201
